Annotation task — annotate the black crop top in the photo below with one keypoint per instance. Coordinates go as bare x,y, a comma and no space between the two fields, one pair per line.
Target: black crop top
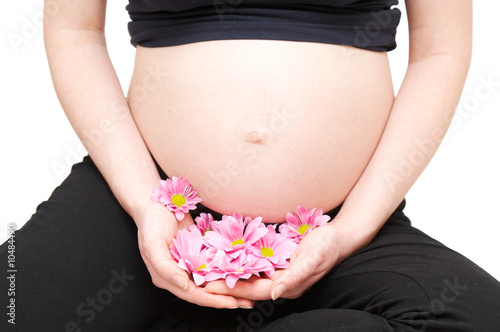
366,24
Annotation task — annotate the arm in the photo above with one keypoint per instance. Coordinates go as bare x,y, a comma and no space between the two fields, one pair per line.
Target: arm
440,51
90,94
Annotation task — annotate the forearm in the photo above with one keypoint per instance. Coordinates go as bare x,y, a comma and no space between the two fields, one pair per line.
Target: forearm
91,96
420,116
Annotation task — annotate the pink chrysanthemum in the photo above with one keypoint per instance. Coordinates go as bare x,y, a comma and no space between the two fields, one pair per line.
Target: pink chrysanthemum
187,250
203,223
274,247
177,195
233,235
298,225
241,267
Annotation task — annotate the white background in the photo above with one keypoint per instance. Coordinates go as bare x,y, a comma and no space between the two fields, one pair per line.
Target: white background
456,199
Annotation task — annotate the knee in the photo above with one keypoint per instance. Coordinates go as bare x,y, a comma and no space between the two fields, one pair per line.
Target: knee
453,304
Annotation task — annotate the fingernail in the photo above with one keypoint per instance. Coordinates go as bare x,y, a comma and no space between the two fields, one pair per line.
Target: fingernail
246,307
278,291
245,304
180,282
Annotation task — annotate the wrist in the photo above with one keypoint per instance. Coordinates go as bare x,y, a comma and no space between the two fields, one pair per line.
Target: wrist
153,212
352,236
144,208
134,195
139,207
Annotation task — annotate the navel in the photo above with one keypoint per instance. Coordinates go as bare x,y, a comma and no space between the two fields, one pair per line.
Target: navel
255,137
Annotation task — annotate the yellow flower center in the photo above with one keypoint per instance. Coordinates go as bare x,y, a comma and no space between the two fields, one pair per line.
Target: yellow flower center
267,252
201,267
178,200
303,229
236,242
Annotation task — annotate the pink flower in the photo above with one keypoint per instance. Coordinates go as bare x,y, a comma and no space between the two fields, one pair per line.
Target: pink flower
298,225
177,195
275,248
189,255
233,235
241,267
203,222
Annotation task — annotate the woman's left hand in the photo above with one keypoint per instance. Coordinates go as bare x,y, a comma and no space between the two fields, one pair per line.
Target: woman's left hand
318,252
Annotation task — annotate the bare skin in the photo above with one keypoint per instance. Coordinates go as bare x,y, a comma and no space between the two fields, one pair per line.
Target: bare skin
261,126
342,145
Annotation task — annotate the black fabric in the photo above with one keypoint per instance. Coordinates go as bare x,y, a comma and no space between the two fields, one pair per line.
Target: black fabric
366,24
79,269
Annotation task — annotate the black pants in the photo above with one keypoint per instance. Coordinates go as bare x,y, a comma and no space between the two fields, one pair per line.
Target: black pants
79,269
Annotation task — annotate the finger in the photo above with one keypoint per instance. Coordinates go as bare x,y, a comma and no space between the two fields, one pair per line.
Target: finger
163,268
294,280
166,268
166,274
197,295
255,288
276,274
245,303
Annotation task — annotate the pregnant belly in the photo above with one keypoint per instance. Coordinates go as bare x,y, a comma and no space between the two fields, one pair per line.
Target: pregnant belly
261,126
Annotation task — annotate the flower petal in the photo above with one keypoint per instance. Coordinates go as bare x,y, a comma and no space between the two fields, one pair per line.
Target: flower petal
231,280
254,232
214,275
198,278
179,215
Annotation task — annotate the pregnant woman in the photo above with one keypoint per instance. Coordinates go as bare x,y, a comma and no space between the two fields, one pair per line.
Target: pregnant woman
263,106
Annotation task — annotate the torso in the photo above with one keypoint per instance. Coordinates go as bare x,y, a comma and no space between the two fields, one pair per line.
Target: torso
261,126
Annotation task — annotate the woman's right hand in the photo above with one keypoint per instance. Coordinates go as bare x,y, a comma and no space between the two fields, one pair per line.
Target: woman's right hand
157,227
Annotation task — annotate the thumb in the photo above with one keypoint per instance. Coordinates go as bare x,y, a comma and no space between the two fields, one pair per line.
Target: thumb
290,278
166,268
169,271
